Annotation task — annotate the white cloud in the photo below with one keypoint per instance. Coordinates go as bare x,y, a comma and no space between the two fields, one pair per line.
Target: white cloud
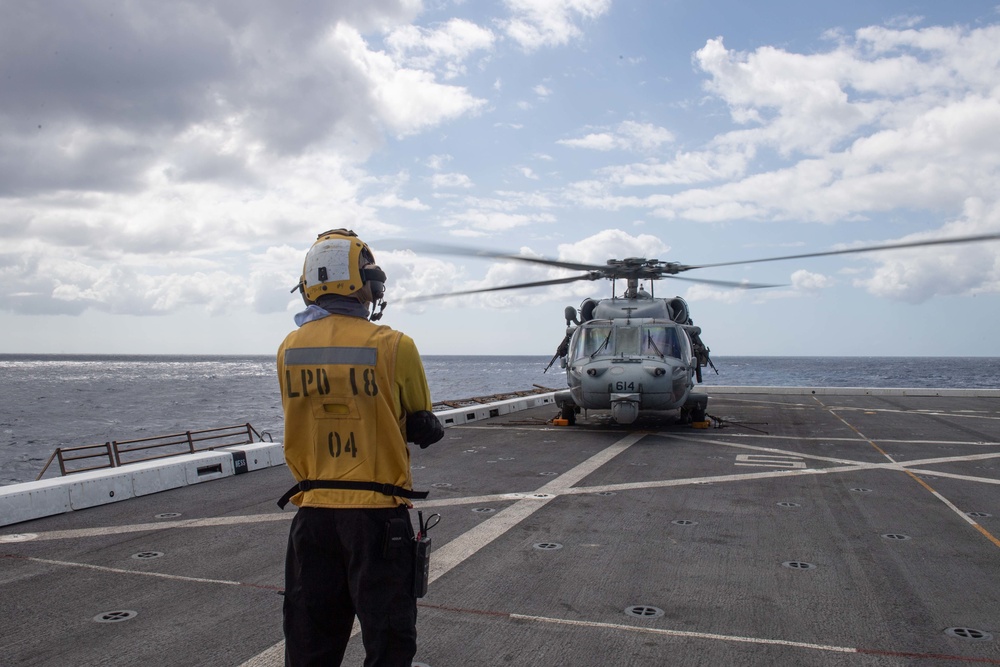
612,244
885,121
409,274
687,168
807,281
628,136
393,200
228,129
496,221
539,23
451,180
407,100
438,162
447,46
174,171
944,270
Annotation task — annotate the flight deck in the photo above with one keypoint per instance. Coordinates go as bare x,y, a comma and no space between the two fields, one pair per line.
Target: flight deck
805,527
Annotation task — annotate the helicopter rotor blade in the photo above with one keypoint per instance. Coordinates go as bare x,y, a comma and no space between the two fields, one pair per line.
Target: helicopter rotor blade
460,251
723,283
851,251
540,283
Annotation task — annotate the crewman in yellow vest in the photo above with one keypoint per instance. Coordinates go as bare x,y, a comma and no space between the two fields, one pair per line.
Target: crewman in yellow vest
353,393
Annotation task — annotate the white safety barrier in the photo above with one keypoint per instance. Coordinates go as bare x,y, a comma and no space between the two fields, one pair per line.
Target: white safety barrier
34,500
472,413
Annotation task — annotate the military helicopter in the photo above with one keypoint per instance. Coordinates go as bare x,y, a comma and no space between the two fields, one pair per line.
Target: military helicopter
636,351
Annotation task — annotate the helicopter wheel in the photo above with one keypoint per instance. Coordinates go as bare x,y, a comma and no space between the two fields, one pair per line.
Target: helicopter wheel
569,414
695,409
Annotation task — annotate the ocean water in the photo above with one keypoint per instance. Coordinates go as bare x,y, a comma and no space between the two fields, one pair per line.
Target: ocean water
47,401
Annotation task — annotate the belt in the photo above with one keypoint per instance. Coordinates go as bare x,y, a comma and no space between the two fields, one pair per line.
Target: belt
386,489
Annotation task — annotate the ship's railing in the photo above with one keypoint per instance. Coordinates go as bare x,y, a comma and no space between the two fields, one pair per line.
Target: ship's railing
121,452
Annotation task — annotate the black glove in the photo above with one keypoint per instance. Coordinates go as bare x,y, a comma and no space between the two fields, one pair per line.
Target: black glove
423,428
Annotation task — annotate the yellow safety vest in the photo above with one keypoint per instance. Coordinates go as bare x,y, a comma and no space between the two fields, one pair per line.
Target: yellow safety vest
346,387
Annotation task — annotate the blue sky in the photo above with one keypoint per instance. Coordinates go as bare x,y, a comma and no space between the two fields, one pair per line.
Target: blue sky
165,166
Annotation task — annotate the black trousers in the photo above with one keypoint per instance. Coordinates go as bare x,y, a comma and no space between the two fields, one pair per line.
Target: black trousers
337,567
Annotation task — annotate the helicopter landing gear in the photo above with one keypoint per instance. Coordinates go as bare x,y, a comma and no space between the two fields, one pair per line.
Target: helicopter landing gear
567,407
569,414
695,409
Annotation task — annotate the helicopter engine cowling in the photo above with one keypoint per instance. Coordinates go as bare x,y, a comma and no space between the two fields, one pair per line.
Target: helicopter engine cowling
587,310
679,310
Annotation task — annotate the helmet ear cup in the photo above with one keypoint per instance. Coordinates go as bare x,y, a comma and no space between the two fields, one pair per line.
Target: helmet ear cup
374,278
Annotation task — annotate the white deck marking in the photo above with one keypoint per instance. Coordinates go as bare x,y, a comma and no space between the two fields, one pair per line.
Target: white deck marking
525,504
951,475
684,633
562,485
961,414
117,570
467,544
905,468
471,541
978,443
159,525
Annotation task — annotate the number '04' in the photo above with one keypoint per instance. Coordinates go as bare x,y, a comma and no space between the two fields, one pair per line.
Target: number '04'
338,446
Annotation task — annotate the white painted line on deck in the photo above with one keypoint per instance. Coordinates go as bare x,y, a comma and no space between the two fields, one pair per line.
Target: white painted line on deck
977,443
478,537
101,531
685,633
468,543
904,467
562,485
689,634
116,570
951,475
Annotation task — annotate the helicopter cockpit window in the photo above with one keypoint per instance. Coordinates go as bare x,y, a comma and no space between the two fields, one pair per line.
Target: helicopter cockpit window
660,342
593,340
626,340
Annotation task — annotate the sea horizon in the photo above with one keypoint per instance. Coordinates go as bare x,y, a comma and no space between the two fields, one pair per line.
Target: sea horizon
190,355
49,400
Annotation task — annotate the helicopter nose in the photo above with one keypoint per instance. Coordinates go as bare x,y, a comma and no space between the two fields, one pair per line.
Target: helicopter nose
625,411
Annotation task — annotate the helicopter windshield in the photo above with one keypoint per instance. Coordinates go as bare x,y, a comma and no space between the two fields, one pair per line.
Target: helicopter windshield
593,340
660,341
626,340
649,340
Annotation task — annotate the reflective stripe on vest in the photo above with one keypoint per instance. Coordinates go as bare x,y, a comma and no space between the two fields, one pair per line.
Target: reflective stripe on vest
317,356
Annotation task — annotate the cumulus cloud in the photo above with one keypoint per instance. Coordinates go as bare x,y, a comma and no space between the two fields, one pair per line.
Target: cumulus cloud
410,274
887,119
406,100
132,135
484,220
162,156
808,281
916,275
534,24
447,46
628,136
451,180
